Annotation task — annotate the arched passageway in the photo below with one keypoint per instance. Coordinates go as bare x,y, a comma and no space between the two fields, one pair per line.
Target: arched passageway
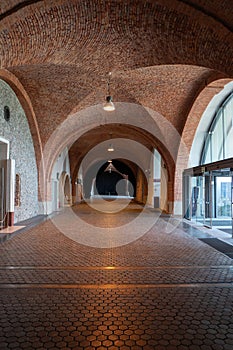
138,172
113,178
207,190
64,190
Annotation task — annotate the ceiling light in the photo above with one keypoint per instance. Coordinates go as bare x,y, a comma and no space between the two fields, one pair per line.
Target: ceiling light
109,105
110,148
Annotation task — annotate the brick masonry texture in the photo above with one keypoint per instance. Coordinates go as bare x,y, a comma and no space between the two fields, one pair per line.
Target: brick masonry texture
17,132
162,55
163,291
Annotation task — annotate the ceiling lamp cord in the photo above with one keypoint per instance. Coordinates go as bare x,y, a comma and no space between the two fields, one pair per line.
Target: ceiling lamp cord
109,105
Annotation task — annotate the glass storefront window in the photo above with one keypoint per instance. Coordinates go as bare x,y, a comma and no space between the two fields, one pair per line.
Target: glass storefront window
228,132
208,188
218,143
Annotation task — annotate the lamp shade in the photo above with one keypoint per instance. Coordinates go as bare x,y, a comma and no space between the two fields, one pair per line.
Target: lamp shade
109,105
110,148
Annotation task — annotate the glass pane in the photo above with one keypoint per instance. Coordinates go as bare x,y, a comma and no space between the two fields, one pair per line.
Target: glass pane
217,140
208,199
218,143
228,122
199,192
187,199
223,215
206,157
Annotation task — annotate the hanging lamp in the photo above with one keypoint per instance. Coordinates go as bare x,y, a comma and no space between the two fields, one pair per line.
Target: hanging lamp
109,105
110,147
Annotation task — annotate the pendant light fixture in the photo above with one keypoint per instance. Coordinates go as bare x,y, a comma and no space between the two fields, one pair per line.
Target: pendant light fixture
109,105
110,147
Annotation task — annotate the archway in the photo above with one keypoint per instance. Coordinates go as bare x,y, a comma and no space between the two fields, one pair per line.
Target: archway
195,131
156,133
113,178
64,190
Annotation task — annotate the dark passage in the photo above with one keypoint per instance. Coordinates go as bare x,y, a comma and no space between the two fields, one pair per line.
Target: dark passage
113,183
106,184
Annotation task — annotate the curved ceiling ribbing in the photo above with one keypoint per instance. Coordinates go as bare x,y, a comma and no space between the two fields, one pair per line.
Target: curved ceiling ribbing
117,34
57,91
162,53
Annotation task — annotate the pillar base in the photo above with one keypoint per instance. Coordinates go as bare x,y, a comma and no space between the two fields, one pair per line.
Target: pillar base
10,217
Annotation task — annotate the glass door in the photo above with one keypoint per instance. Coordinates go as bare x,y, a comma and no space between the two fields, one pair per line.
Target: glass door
187,212
222,200
199,200
208,197
194,198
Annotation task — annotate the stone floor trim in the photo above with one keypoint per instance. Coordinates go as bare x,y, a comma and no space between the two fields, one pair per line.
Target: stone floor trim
120,268
113,286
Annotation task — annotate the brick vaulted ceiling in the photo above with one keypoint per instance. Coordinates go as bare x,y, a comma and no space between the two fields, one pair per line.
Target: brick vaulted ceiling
161,53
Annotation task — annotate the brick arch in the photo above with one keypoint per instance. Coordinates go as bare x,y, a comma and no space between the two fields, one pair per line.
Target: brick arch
90,139
135,115
198,108
202,101
26,104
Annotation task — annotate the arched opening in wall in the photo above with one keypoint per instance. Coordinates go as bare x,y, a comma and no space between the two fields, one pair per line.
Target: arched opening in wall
64,190
114,178
67,191
208,186
88,145
145,179
212,139
134,155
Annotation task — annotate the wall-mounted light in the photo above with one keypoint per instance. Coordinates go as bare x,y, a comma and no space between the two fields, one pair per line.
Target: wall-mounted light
148,172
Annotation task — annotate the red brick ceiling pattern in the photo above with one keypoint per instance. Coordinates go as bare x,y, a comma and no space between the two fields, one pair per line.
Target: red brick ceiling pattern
162,53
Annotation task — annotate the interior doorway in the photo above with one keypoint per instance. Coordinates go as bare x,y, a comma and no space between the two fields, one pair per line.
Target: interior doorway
64,190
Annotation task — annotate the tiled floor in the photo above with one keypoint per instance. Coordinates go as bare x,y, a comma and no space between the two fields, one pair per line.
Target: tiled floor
165,289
